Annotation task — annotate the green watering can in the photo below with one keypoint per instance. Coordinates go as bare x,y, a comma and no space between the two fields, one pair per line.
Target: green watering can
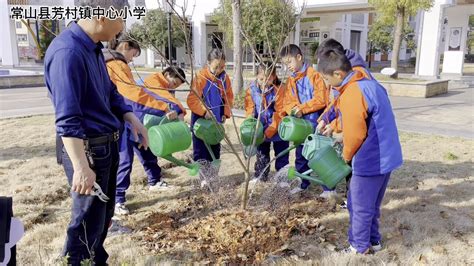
169,137
313,143
327,165
294,129
249,129
152,120
211,133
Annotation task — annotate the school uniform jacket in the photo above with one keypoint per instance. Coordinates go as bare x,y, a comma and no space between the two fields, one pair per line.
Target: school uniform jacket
370,135
270,103
216,93
306,90
358,64
142,100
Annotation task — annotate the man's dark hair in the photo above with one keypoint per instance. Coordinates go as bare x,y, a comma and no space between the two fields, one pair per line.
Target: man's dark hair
329,44
216,54
332,60
175,72
124,38
290,50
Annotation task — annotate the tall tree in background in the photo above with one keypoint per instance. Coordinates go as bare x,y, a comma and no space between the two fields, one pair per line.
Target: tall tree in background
402,9
153,30
266,22
238,81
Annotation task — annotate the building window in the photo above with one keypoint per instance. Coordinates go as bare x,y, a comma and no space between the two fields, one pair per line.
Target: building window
22,37
18,24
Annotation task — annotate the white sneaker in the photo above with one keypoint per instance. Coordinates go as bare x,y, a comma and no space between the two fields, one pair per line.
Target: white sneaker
296,190
160,186
253,182
328,194
204,183
120,209
376,246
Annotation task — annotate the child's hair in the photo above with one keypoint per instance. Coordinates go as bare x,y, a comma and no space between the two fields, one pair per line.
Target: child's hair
332,60
215,54
268,68
329,44
290,50
175,72
124,38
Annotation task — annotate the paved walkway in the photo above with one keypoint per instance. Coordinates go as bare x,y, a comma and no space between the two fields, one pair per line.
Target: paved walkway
451,114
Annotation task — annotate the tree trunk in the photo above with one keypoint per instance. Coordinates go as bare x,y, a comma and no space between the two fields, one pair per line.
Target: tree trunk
237,82
397,40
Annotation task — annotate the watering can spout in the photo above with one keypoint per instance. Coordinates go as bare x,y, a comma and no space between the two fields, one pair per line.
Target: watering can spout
292,174
192,167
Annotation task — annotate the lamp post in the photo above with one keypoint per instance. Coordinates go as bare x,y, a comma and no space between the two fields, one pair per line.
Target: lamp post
167,6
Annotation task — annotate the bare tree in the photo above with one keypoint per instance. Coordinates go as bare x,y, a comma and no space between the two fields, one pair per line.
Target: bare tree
238,81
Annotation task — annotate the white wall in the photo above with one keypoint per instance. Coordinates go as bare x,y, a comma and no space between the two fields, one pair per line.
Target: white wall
458,17
8,46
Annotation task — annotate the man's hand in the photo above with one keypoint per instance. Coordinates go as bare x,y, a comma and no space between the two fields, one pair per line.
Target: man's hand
173,115
296,112
223,119
84,177
208,115
137,128
83,180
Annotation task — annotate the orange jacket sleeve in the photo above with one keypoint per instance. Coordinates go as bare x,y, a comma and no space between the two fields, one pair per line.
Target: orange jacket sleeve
194,97
354,114
229,98
290,98
121,76
249,104
277,115
152,83
319,100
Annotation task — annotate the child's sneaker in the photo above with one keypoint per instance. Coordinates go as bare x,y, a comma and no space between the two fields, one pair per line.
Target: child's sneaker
162,185
343,205
120,209
352,250
204,183
376,246
328,194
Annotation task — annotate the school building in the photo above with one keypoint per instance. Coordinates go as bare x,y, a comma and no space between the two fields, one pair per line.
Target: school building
443,35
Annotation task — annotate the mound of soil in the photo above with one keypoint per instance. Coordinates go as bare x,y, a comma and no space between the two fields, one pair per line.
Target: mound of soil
199,232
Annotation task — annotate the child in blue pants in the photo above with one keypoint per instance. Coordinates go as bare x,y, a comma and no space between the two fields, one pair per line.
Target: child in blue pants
213,87
143,101
304,98
371,142
265,96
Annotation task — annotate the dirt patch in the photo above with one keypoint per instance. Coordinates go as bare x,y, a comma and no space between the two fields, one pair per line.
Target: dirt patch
194,233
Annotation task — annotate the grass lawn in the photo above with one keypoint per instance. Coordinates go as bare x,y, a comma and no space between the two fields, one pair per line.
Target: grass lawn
427,216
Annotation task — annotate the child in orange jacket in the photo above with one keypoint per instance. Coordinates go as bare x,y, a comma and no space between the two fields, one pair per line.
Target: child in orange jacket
305,97
143,101
265,96
211,88
371,143
162,85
